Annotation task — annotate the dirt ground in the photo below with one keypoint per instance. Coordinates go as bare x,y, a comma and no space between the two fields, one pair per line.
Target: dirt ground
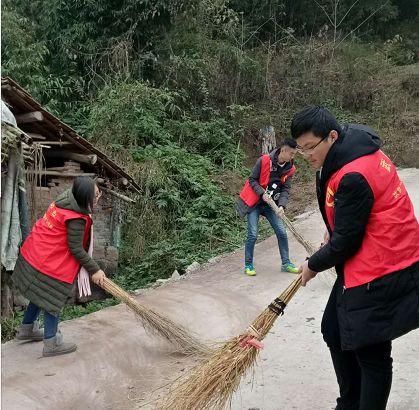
119,366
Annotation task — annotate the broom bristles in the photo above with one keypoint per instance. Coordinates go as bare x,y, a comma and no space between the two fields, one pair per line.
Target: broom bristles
158,324
211,384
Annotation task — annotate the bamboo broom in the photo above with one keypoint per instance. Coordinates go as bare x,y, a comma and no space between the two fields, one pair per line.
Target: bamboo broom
158,324
211,384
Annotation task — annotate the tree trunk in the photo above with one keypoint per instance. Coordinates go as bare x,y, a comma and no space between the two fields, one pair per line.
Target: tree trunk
267,139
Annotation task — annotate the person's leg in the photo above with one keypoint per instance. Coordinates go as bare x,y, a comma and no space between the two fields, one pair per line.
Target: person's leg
50,325
29,329
347,370
31,314
281,235
376,373
348,375
53,341
252,234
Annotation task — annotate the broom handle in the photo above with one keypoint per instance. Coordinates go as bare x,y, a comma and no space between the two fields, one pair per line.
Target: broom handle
308,247
116,291
292,289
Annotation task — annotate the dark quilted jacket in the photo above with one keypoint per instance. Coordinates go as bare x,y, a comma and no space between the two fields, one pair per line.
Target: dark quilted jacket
44,291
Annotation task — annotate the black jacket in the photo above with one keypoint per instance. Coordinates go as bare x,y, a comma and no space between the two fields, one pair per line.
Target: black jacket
385,308
353,199
280,193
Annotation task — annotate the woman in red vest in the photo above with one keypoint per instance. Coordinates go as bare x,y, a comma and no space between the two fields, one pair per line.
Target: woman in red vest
50,259
372,240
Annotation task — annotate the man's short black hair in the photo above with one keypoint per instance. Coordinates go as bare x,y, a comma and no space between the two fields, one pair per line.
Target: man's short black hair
316,119
84,192
288,142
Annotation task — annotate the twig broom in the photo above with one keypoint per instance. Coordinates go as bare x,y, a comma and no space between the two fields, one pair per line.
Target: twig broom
211,384
158,324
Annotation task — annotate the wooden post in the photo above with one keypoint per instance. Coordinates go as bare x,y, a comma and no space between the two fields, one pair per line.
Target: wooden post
116,222
6,294
29,117
122,181
36,136
118,195
60,143
85,158
6,87
62,174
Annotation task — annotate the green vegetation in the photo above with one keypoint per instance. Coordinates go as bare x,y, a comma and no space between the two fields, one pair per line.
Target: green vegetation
175,91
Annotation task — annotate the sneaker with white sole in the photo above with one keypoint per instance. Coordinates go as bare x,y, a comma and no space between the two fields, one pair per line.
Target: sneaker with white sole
290,267
249,270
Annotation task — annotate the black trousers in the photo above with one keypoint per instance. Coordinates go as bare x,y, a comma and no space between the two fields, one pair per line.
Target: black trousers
364,376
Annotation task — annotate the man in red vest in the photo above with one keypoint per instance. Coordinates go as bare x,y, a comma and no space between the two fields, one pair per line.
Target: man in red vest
372,239
272,173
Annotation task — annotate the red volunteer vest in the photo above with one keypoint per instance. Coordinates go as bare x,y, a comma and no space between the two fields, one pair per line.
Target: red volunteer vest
46,247
391,240
248,195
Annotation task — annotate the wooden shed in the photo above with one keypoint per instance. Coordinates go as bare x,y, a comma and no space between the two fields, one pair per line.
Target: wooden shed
55,156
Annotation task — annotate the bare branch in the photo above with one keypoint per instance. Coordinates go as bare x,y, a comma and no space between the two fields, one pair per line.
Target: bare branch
289,34
255,31
360,24
344,17
324,11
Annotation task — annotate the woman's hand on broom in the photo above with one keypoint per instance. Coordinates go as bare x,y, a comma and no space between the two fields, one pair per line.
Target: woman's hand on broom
306,273
98,278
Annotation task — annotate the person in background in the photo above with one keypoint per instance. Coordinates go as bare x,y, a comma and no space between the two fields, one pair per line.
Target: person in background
50,259
271,173
372,239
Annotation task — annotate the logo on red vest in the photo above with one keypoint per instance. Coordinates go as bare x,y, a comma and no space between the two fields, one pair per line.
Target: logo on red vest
385,164
330,197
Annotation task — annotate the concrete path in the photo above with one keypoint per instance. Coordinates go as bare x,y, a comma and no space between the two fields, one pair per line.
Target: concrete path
119,366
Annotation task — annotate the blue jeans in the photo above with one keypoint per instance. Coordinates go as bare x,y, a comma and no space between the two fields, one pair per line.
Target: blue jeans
50,321
252,232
